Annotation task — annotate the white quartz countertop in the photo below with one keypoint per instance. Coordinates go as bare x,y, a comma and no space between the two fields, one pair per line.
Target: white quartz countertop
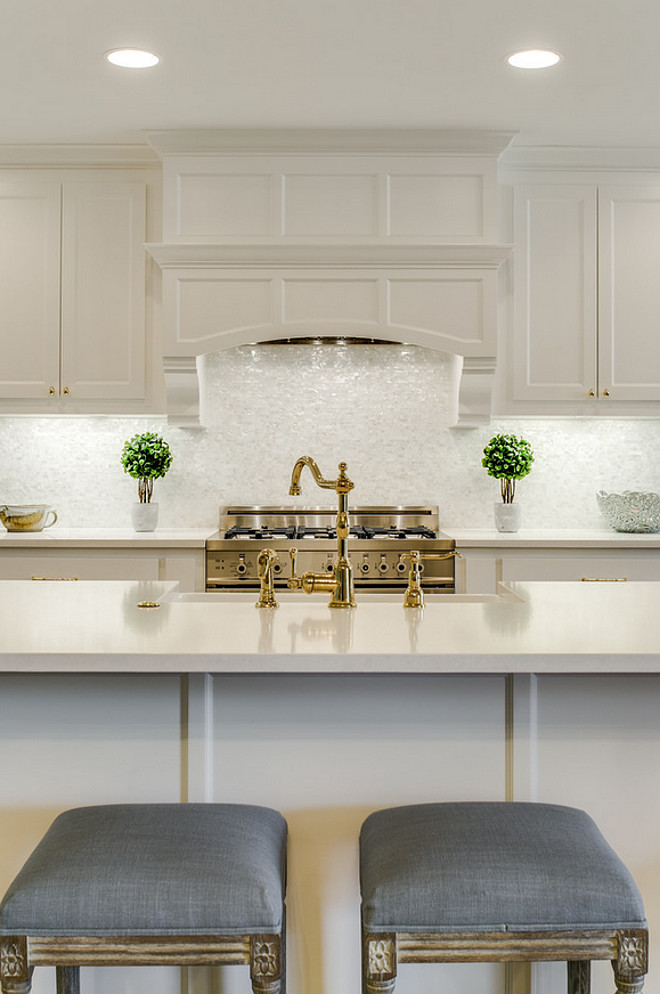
105,538
559,538
96,626
60,537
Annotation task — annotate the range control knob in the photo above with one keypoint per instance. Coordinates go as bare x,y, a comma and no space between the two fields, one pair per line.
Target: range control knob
241,569
401,567
383,565
364,567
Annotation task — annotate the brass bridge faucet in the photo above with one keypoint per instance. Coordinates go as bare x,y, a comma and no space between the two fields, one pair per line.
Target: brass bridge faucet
340,583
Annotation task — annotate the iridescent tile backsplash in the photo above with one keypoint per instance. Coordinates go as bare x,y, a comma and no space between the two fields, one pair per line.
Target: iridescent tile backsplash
383,409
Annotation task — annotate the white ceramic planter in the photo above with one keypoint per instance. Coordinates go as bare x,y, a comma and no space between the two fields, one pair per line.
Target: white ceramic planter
144,517
507,516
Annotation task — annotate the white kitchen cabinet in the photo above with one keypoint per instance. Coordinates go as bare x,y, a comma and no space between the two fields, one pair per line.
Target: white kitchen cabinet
72,293
184,565
587,298
29,288
487,561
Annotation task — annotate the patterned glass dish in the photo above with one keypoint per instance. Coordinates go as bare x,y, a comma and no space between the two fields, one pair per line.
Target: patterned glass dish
631,511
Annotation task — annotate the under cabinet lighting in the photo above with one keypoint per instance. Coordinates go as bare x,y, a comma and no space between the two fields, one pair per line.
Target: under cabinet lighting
533,58
132,58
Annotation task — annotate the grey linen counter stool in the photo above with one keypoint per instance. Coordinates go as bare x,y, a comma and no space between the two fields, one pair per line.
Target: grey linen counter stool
480,882
149,884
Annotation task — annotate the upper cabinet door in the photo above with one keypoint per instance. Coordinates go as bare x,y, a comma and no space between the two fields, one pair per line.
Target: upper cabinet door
629,292
29,289
554,355
103,290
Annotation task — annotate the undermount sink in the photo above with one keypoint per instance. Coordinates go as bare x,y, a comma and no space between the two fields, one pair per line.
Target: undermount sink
297,597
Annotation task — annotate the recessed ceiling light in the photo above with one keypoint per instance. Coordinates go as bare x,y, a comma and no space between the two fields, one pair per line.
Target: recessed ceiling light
533,58
132,58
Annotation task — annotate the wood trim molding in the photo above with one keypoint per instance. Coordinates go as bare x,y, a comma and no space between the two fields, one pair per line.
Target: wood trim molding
82,156
314,255
138,950
341,141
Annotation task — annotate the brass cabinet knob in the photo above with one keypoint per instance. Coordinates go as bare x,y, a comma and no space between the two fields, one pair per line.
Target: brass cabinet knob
591,393
52,391
66,391
606,393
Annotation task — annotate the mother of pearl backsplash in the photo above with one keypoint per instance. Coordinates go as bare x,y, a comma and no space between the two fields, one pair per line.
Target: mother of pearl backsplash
385,410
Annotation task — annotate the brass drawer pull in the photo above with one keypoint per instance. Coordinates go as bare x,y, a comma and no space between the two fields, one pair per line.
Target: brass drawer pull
604,579
67,578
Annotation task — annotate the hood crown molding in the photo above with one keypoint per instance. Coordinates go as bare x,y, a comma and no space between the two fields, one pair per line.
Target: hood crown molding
339,141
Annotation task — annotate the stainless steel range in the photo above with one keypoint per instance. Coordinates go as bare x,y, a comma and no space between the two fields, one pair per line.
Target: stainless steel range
380,542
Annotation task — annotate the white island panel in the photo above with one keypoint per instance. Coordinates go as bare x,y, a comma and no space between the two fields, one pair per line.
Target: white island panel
327,751
71,740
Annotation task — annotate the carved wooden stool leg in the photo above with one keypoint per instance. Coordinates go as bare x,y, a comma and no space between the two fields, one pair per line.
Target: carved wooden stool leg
631,963
68,979
266,964
15,974
379,963
579,976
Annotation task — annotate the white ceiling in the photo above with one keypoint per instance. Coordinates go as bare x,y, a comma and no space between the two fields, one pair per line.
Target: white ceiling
330,63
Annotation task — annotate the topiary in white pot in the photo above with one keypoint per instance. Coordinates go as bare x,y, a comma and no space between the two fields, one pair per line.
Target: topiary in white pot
146,458
507,458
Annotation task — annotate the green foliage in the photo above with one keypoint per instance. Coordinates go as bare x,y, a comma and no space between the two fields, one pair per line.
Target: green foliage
146,457
508,458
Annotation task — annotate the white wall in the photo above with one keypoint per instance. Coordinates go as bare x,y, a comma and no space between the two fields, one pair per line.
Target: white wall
384,409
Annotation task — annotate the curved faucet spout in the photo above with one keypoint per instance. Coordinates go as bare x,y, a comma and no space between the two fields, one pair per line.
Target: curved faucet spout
294,489
342,485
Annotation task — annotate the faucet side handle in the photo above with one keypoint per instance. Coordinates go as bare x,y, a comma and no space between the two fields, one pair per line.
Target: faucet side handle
295,582
265,562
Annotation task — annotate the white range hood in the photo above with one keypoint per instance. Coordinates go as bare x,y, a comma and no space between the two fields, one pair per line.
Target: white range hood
370,234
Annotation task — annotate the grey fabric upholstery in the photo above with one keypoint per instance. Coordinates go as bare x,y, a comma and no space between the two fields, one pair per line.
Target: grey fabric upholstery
492,866
153,869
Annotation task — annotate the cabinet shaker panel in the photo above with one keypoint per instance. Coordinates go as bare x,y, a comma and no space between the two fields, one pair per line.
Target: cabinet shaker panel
629,292
555,333
29,288
103,303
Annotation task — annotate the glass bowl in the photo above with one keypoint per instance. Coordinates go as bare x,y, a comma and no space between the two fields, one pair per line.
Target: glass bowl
631,511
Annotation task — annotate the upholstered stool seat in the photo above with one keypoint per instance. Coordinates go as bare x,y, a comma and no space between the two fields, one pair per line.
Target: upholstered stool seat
150,883
502,881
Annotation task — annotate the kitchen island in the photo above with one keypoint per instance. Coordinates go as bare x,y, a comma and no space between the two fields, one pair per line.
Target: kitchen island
549,692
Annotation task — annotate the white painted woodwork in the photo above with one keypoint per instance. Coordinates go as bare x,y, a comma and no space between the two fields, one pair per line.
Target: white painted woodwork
587,304
453,310
327,751
288,234
554,348
484,568
629,292
95,739
437,196
72,291
597,748
187,567
103,280
29,288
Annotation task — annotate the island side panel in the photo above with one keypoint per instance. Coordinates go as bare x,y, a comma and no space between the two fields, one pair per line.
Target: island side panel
328,750
69,740
598,748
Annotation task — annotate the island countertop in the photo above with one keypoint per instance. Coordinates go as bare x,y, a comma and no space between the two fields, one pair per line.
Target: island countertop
97,626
